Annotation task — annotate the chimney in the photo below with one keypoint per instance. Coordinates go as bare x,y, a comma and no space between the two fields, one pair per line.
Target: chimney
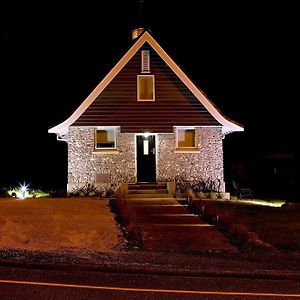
140,20
137,32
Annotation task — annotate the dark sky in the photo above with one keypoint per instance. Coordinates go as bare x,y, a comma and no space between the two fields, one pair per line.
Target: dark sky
244,56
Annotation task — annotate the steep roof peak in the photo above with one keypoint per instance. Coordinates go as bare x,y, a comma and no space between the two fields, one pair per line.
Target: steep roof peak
227,125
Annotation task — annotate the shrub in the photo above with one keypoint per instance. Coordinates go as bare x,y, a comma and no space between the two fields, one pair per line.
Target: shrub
240,232
199,187
226,217
60,193
90,190
4,192
126,216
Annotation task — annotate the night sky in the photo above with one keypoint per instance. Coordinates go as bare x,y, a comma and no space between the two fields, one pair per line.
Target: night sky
244,56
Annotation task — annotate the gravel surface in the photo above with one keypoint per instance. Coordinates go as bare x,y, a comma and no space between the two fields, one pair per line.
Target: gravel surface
213,264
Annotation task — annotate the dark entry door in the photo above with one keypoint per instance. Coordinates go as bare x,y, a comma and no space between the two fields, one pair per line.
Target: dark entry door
146,158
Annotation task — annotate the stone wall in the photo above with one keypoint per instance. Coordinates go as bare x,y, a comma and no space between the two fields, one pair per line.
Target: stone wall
207,164
84,163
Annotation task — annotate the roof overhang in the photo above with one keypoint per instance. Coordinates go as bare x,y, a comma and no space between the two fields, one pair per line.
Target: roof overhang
228,126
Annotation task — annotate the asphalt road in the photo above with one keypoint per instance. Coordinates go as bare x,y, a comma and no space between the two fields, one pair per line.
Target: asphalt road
18,283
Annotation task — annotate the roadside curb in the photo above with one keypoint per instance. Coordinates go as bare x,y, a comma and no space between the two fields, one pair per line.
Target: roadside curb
153,269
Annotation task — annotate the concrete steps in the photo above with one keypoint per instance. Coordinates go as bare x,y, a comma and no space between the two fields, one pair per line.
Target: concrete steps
168,219
166,225
158,209
185,238
147,186
148,191
148,196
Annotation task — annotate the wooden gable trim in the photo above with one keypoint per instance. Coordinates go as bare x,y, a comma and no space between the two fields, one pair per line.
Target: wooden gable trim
228,126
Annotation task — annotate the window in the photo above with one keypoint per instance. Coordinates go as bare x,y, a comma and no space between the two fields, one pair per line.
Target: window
145,88
186,139
105,138
145,56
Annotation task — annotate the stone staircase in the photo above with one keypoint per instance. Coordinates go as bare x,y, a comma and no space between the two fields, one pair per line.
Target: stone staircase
166,225
148,190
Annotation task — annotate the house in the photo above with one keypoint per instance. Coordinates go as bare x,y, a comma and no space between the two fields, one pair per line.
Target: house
146,121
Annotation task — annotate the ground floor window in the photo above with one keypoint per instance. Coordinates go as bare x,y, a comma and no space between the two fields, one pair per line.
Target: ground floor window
186,139
105,138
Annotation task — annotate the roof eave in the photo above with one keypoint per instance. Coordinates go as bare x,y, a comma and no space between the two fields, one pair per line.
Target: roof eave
229,129
228,126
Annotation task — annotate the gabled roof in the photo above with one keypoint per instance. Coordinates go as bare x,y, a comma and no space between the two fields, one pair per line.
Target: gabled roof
227,125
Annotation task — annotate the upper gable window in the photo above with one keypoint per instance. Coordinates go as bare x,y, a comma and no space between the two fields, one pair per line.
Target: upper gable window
145,88
145,61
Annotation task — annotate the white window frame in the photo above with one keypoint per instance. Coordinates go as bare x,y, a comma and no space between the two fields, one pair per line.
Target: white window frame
145,61
108,128
138,87
187,149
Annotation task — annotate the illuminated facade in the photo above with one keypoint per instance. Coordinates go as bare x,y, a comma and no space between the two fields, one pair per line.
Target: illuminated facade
146,121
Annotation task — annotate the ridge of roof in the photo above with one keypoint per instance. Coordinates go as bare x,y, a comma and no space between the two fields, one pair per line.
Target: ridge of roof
228,126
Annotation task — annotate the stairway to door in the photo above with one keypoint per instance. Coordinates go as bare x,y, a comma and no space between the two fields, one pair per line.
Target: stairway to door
166,225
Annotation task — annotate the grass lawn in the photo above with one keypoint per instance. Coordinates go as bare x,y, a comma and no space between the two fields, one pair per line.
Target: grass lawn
278,226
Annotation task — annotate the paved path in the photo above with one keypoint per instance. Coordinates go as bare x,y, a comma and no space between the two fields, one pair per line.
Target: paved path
165,224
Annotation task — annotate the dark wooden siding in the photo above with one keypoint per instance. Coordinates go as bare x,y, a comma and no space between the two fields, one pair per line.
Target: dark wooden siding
174,104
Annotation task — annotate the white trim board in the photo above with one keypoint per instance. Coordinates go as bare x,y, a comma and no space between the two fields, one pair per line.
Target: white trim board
228,126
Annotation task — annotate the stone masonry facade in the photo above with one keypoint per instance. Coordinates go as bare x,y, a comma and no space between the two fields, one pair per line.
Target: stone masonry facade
85,164
206,164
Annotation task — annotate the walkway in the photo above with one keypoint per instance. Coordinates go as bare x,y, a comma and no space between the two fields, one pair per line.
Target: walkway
165,224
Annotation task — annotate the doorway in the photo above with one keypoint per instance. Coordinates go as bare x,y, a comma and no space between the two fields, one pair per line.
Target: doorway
146,158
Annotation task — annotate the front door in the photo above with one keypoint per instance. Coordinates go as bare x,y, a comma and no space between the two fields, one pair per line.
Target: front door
146,158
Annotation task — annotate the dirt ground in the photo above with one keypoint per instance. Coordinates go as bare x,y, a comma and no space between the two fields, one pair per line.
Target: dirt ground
41,224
